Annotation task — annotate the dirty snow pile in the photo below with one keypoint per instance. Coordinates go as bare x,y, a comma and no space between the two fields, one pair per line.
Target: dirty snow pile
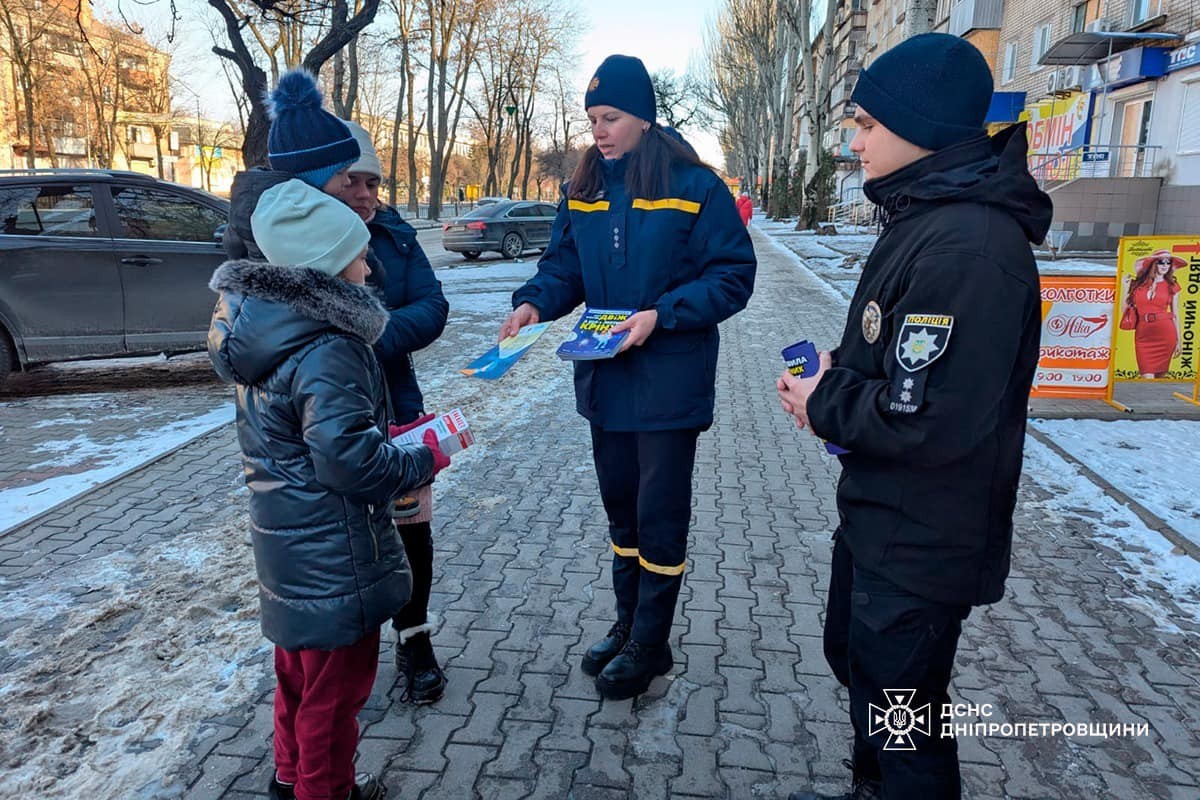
109,674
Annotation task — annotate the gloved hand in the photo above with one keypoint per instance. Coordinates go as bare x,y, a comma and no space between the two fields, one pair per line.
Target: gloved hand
396,430
440,459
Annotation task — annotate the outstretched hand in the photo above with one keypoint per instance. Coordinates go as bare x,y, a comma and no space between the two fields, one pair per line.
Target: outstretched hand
522,315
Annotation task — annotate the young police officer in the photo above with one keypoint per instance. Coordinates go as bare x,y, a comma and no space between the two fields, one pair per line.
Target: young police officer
928,392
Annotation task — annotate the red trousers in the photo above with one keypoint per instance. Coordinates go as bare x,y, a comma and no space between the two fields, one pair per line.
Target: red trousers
317,701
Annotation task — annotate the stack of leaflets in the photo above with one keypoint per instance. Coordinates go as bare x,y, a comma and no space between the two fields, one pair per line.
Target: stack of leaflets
496,361
801,360
593,338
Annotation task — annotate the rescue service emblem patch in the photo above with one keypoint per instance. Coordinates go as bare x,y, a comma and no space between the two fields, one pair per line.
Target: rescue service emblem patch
592,86
923,339
872,320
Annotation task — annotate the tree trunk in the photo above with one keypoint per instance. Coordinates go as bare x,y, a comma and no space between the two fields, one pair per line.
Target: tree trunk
31,154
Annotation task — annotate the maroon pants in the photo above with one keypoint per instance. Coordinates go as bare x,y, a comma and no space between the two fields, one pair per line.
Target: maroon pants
317,701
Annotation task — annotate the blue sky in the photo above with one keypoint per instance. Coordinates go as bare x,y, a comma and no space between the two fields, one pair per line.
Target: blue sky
663,33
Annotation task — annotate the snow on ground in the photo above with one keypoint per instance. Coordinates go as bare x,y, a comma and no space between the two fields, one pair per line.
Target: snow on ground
109,672
111,666
1152,461
1145,558
1076,266
86,463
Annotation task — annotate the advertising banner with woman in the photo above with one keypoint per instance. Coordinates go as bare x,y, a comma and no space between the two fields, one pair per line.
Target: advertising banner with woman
1158,299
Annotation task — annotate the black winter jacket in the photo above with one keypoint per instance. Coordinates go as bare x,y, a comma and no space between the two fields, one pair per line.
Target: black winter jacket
248,186
930,382
321,472
417,309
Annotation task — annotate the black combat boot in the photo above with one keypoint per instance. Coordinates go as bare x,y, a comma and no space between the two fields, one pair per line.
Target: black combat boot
424,680
605,650
631,671
862,787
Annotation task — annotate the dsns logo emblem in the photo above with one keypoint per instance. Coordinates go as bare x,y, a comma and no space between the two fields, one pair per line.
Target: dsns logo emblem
899,719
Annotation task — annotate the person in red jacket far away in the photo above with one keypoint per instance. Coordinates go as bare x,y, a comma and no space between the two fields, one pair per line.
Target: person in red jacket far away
745,208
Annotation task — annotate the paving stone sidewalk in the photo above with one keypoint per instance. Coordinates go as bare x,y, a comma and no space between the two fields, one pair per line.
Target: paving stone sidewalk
751,710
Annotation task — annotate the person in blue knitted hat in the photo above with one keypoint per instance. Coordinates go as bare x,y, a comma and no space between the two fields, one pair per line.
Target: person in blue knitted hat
305,139
927,391
645,226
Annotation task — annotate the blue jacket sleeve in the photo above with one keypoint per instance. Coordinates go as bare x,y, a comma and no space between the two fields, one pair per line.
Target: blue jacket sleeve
333,397
964,386
422,317
557,288
721,247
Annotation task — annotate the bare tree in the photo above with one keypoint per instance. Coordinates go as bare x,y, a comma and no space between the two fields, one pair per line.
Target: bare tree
680,98
279,29
815,80
452,45
25,28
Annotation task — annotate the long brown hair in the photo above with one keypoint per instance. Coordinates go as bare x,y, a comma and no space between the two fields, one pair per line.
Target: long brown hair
648,174
1146,274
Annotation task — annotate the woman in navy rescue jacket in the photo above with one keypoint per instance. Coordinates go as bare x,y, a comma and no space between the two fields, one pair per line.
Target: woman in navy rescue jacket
645,225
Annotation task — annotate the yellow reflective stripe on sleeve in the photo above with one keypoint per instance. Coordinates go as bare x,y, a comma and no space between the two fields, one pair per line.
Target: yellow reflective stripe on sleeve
625,552
661,570
579,205
674,203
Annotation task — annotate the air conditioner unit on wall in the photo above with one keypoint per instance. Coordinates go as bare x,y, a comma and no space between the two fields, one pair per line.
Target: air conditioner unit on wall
1064,80
1099,26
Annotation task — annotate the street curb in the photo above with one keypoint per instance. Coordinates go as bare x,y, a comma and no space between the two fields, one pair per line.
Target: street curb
120,476
1148,517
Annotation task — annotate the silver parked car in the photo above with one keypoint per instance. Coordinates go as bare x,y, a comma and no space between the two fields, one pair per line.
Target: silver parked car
101,263
509,227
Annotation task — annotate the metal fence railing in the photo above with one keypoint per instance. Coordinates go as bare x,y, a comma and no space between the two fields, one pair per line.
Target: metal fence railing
1094,161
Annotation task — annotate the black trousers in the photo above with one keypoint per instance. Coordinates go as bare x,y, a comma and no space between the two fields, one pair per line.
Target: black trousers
880,637
646,485
418,546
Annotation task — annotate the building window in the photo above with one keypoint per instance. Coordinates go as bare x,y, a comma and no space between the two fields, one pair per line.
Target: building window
1010,63
1041,43
1143,10
1079,18
1189,131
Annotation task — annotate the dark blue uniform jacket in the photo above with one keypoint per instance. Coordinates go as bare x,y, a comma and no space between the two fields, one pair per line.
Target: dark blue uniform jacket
416,307
686,255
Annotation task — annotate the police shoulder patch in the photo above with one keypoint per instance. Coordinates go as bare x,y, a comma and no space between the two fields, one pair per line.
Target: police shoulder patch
922,340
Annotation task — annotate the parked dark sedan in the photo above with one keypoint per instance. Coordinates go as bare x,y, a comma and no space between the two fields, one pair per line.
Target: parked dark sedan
509,227
101,263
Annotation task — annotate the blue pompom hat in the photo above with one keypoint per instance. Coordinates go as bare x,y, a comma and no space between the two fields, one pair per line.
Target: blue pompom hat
932,90
305,139
622,82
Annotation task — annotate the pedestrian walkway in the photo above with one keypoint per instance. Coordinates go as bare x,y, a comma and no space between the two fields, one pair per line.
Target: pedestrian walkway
751,710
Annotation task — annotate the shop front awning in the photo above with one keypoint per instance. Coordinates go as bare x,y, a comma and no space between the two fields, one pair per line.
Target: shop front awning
1088,47
1005,107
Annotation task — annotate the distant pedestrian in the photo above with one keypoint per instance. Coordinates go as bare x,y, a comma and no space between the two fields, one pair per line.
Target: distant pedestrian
745,207
295,333
645,225
928,392
417,312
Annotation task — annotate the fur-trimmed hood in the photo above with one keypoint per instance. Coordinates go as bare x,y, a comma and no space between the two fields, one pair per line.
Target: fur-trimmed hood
267,312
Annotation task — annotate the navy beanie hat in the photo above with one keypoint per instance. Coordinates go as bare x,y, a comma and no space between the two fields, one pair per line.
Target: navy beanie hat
305,139
932,90
622,82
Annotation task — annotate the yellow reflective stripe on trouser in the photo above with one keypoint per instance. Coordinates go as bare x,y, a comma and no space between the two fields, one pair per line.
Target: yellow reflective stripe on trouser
673,203
625,552
579,205
661,570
